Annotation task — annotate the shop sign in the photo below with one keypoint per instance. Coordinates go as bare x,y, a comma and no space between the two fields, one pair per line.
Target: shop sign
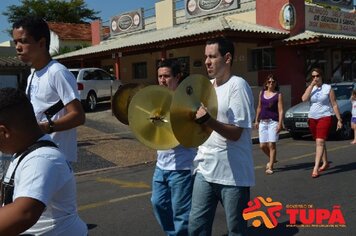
348,4
126,22
195,8
320,19
287,16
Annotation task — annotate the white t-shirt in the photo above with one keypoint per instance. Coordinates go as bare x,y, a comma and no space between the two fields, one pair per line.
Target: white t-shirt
320,105
49,85
353,108
178,158
45,175
224,161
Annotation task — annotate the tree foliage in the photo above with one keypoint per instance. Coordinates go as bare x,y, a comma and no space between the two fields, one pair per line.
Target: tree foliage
72,11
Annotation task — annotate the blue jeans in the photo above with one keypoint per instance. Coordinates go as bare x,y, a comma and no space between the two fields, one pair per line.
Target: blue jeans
171,199
205,199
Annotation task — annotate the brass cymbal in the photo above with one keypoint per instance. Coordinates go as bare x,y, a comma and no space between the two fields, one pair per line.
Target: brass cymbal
192,91
149,117
121,100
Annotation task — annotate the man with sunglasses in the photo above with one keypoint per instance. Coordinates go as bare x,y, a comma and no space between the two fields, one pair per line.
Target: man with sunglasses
224,164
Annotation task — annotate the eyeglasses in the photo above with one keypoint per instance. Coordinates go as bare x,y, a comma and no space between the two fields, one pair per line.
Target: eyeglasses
315,76
271,82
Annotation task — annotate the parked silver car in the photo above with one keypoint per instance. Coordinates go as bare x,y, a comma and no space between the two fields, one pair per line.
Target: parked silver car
295,118
95,85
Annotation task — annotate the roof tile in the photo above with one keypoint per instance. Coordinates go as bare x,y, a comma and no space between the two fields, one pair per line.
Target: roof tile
69,31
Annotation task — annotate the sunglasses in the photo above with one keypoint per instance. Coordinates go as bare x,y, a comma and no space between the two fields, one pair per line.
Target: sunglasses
271,82
315,76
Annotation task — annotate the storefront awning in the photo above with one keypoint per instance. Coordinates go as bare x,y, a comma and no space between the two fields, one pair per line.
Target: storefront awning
310,37
6,62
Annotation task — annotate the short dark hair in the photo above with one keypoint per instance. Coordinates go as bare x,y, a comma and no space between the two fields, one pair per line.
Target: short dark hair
15,108
224,46
35,27
174,65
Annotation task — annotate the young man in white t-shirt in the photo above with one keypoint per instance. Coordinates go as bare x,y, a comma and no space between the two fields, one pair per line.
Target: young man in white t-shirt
50,83
172,180
38,189
224,164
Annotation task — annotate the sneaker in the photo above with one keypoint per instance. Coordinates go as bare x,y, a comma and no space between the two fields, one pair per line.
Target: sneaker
269,172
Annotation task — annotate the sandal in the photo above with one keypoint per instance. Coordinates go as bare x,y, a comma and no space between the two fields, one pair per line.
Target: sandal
315,175
269,171
324,168
268,166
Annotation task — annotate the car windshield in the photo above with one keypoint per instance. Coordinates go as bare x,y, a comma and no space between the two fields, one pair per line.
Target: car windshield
342,92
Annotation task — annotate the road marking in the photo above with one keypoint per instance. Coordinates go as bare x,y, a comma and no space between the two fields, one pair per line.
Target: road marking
124,184
110,201
305,155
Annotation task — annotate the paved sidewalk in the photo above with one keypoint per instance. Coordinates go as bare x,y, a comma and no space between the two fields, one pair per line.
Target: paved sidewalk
104,142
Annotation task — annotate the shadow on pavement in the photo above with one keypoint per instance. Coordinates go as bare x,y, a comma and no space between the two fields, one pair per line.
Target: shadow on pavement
281,229
305,166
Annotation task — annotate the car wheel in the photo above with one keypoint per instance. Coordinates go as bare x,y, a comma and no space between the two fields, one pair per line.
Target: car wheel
295,136
91,102
346,131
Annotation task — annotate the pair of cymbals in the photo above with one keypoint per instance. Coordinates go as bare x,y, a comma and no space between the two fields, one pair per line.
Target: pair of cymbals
121,100
162,119
188,97
149,117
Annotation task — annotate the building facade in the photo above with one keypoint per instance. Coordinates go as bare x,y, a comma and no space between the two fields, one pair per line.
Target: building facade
287,38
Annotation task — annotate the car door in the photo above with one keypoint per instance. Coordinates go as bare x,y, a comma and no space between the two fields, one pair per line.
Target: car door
107,83
90,81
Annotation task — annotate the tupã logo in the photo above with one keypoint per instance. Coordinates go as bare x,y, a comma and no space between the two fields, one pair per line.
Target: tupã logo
254,211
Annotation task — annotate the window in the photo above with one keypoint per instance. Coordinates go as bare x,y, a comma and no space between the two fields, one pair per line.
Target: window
140,70
104,75
262,59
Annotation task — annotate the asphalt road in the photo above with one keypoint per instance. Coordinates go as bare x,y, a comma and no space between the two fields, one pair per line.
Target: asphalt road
115,200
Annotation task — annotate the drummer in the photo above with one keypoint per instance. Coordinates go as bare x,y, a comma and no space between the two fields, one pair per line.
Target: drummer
172,181
224,171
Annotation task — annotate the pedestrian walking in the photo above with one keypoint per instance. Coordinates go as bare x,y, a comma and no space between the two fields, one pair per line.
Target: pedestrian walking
172,181
51,87
269,119
224,164
322,106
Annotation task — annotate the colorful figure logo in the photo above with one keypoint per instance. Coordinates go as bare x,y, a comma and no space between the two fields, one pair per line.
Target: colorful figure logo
269,219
